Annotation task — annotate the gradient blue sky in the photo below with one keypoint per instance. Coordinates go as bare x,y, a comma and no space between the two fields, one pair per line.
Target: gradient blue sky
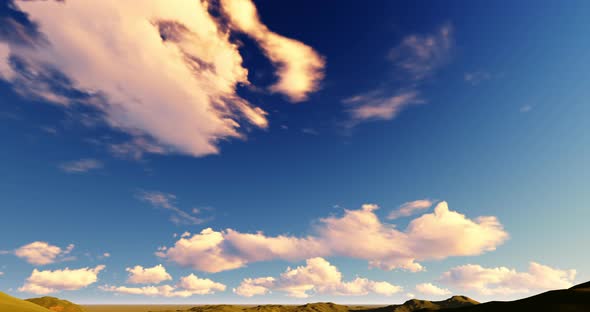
501,130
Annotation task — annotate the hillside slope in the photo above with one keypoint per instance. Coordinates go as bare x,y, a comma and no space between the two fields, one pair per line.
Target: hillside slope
12,304
56,304
575,299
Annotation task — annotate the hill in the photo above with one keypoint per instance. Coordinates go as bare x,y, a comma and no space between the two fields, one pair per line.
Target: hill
573,299
12,304
56,304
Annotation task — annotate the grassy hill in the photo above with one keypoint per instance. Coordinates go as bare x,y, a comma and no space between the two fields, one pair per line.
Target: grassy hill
56,304
12,304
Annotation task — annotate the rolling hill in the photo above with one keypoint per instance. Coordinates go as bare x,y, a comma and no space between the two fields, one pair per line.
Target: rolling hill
56,304
12,304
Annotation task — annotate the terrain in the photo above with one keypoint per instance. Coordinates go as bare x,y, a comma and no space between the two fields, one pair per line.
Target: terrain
573,299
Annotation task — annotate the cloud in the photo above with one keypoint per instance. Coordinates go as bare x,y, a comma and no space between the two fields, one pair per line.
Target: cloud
300,68
357,234
153,275
506,281
81,166
42,253
379,107
410,208
414,60
166,201
432,290
165,72
526,108
187,286
475,78
46,282
420,55
317,276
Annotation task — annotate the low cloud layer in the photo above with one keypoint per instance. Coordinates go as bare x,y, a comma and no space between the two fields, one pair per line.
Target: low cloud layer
187,286
42,253
47,282
318,276
505,281
357,234
432,290
166,73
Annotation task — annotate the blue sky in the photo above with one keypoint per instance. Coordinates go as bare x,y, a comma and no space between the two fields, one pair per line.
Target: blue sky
480,105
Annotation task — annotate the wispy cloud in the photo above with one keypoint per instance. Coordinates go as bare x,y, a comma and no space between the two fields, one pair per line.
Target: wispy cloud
166,71
317,276
476,77
81,166
526,108
167,201
437,235
414,60
410,208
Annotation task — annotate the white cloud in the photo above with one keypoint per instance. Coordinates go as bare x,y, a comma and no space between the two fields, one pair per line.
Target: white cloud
317,276
431,289
357,234
187,286
46,282
6,71
165,72
374,106
506,281
300,68
42,253
166,201
410,208
81,166
153,275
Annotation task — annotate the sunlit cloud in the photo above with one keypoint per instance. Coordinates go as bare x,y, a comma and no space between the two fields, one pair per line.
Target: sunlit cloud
187,286
43,253
165,73
410,208
432,290
507,281
357,234
153,275
46,282
318,276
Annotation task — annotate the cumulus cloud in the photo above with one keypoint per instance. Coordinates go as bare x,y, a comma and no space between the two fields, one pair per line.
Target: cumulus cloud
432,290
167,201
42,253
317,276
153,275
300,68
46,282
187,286
81,166
410,208
506,281
415,59
357,234
165,72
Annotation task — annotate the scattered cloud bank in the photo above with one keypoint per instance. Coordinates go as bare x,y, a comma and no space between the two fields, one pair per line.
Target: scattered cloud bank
506,281
357,234
167,201
42,253
81,166
317,276
153,275
166,73
187,286
415,59
432,290
410,208
46,282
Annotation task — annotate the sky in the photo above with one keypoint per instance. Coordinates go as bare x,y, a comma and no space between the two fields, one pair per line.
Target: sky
230,151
